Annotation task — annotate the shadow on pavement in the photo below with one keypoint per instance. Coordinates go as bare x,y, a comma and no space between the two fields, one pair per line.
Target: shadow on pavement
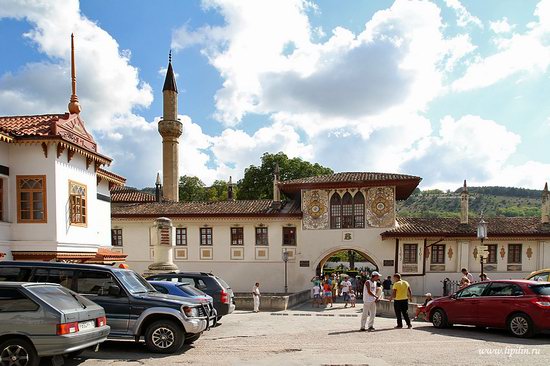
488,335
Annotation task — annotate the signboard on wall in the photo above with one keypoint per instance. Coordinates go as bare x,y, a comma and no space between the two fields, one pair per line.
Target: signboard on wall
304,263
388,262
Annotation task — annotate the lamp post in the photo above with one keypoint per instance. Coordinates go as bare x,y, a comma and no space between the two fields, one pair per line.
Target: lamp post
285,259
482,235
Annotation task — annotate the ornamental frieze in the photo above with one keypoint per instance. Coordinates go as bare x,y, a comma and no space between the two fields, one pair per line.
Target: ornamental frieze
380,207
315,209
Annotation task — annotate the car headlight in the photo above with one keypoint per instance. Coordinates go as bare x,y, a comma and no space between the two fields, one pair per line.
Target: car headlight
190,312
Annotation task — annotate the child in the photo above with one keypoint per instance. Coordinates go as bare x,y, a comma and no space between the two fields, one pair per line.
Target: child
316,295
352,298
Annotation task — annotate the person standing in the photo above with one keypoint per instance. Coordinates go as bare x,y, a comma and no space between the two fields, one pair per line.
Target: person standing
369,302
386,285
468,275
256,296
346,287
401,293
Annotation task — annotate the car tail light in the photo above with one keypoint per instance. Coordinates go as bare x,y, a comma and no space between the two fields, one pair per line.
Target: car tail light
67,328
101,321
224,297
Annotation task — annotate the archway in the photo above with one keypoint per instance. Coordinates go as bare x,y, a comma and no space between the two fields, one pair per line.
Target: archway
354,261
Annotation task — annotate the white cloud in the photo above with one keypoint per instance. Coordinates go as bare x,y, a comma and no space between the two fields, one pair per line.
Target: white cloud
501,26
464,18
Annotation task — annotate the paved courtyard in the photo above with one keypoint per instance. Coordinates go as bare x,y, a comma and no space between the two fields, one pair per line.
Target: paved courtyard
307,336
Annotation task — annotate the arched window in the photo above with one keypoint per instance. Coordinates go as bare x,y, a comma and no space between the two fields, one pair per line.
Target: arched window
359,210
335,211
347,211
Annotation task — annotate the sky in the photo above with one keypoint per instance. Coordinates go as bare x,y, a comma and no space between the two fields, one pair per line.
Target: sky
447,90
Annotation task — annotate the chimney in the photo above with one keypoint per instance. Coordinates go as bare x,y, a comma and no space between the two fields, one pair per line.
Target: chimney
230,190
276,191
464,203
545,211
158,189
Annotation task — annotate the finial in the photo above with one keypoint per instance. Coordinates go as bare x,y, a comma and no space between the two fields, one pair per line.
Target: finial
74,106
465,187
230,180
158,179
546,187
170,56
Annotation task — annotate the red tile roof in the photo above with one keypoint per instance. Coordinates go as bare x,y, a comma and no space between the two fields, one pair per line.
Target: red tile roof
405,184
39,125
130,195
451,227
211,209
111,177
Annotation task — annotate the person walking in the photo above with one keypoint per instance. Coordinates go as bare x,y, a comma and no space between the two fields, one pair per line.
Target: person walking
386,286
346,287
401,293
369,302
256,296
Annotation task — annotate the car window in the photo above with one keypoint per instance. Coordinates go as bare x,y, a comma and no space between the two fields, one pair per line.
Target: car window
190,290
186,280
15,274
60,297
223,283
543,290
200,284
540,277
503,289
94,283
64,277
472,291
14,300
160,288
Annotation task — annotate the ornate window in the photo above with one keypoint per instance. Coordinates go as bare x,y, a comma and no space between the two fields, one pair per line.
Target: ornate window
335,211
206,236
289,235
261,236
31,199
410,253
116,237
181,236
347,211
359,210
492,254
514,253
438,254
237,236
78,203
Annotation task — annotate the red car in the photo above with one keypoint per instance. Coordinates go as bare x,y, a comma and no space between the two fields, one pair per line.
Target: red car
521,306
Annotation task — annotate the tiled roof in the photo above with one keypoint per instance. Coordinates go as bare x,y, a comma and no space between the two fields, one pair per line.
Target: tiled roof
130,195
201,208
111,177
451,227
40,125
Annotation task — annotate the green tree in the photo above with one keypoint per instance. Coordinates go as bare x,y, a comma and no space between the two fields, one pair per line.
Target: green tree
257,182
192,189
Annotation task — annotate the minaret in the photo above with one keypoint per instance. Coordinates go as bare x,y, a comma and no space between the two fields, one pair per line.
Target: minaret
170,129
276,190
230,196
158,189
464,203
74,106
545,211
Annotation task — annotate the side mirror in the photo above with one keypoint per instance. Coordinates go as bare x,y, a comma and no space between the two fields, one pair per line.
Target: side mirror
114,290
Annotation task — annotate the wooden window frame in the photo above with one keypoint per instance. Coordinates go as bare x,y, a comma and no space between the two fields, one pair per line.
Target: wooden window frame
359,210
335,211
289,239
18,180
347,211
114,238
181,237
492,259
206,233
438,254
407,251
510,254
237,236
262,236
72,204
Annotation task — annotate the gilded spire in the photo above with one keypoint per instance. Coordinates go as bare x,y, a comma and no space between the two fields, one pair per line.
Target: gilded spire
170,81
74,106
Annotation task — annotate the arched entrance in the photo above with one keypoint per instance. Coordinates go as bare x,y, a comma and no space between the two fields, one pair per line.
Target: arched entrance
355,260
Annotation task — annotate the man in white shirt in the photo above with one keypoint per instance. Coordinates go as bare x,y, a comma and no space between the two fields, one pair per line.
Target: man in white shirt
369,301
256,296
468,275
346,286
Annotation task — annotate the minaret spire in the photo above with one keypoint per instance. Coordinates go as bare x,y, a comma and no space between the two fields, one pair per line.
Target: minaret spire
545,217
74,106
464,204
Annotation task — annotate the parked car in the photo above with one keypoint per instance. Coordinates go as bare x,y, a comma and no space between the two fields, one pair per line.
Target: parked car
221,292
133,307
521,306
189,292
39,320
541,275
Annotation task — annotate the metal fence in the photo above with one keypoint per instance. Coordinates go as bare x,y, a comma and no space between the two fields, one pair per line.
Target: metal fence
449,286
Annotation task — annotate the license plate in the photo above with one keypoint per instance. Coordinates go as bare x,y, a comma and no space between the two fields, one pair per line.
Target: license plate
90,324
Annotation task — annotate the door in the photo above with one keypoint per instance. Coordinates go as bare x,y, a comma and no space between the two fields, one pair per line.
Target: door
497,302
463,308
101,288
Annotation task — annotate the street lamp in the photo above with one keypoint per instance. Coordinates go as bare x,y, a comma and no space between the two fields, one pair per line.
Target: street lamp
482,235
285,259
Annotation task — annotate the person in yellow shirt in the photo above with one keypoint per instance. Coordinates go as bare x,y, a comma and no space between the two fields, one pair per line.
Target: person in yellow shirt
401,293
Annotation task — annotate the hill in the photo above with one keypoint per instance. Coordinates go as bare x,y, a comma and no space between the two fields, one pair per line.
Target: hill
494,201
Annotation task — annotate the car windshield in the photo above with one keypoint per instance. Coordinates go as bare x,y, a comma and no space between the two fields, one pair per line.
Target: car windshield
134,283
190,290
541,289
60,298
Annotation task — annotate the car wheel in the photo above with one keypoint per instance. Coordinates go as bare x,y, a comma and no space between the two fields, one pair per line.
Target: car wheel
439,319
18,352
164,336
192,338
520,325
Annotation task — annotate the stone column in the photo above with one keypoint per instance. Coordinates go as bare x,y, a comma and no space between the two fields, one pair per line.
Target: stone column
162,239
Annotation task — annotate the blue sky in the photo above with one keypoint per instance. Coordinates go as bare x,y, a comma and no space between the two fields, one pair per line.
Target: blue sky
447,90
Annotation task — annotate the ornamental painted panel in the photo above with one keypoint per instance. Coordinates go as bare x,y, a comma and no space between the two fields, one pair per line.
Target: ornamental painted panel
315,209
380,205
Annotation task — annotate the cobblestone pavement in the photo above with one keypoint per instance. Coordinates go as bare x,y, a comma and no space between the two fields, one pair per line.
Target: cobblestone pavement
307,336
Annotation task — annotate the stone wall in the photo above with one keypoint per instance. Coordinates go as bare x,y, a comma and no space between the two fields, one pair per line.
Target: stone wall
272,302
